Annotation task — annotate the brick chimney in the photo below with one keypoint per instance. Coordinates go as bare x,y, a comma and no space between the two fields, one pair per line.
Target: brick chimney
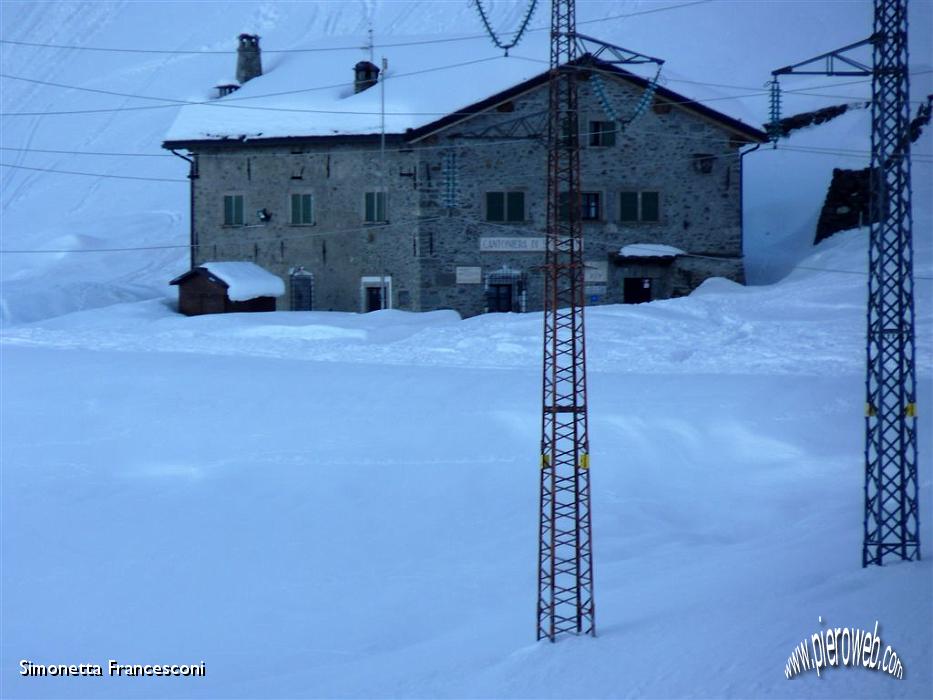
366,75
248,58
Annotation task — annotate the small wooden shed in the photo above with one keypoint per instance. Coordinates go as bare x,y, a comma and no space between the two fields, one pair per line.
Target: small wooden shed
227,287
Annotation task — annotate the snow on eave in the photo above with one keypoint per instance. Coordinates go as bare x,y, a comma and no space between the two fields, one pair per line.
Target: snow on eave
650,250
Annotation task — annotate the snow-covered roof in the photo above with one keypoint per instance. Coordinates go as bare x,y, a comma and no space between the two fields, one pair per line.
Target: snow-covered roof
650,250
246,280
312,94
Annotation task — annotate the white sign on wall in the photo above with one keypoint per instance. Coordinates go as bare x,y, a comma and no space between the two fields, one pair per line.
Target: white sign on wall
469,275
512,245
596,271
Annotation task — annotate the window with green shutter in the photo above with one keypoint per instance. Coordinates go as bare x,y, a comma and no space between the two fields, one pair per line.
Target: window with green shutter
602,133
375,207
233,210
640,206
591,206
302,209
505,206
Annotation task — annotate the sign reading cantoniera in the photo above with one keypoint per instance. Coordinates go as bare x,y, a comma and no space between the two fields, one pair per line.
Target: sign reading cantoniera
512,245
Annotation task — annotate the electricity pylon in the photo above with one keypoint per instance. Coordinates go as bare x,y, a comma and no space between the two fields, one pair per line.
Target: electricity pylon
565,557
891,525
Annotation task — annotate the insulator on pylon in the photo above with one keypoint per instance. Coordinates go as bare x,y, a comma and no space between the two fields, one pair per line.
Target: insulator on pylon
774,124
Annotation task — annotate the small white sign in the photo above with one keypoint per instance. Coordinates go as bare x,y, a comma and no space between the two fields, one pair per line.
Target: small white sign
469,275
512,245
596,271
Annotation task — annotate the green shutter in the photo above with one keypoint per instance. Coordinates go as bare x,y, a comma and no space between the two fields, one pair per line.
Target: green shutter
515,206
563,206
609,134
375,206
307,213
238,209
628,206
650,207
296,208
228,211
495,206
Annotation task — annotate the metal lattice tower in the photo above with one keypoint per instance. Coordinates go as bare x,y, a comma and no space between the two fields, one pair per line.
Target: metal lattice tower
892,525
565,563
891,506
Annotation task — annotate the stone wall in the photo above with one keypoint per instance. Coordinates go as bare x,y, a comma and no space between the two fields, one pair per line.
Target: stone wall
700,212
339,248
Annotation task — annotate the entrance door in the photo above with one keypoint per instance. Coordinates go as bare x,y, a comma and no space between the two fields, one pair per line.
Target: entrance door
302,284
500,298
637,290
373,299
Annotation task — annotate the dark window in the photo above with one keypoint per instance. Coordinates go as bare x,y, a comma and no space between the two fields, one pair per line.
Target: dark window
375,207
602,134
302,209
233,210
640,206
505,206
590,206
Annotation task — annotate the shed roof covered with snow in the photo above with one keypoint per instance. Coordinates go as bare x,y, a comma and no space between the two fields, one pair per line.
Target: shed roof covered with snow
244,280
220,287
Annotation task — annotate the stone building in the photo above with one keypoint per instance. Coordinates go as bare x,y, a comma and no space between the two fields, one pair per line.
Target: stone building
448,210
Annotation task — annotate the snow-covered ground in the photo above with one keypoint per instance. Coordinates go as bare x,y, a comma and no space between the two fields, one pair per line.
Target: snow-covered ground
339,505
342,505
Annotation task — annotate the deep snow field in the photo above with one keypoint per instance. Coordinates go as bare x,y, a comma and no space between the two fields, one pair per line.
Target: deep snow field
341,505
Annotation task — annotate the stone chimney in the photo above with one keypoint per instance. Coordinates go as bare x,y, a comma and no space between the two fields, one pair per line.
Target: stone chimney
248,58
366,75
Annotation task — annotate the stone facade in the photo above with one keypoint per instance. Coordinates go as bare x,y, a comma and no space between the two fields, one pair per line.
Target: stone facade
437,247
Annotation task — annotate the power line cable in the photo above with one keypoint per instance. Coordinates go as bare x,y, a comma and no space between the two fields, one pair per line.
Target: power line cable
226,103
73,172
496,144
324,49
301,236
724,155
